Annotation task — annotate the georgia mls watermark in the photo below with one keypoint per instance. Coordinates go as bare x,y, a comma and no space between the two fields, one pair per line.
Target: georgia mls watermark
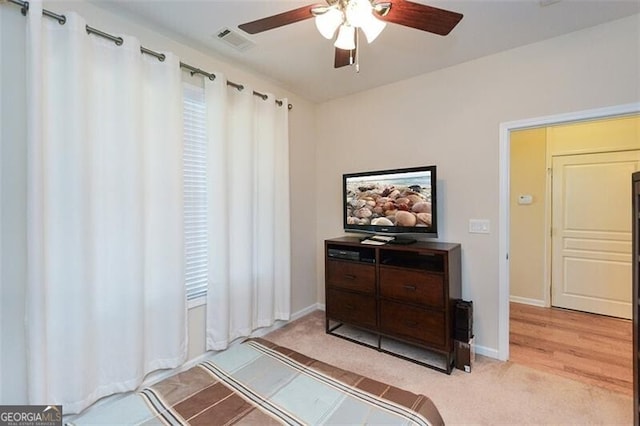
30,415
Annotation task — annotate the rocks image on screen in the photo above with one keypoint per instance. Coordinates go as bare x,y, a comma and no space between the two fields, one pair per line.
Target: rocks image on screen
389,202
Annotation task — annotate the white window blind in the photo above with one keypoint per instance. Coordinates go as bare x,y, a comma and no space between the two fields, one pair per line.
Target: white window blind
195,192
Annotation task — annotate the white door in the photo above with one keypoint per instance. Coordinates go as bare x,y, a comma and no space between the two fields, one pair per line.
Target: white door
591,232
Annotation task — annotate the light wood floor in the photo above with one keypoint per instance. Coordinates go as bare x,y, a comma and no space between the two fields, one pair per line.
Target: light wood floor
590,348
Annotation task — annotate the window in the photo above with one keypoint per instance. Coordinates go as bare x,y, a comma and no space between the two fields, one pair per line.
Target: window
195,192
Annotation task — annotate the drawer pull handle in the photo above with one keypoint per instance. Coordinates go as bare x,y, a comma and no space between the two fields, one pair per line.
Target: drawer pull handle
411,324
350,277
410,287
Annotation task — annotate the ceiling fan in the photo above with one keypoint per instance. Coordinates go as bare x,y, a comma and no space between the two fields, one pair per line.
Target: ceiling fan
349,17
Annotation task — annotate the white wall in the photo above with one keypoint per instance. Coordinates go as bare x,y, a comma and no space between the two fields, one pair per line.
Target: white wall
13,168
451,118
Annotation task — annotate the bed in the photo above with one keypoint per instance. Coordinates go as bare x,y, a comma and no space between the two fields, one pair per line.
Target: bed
257,382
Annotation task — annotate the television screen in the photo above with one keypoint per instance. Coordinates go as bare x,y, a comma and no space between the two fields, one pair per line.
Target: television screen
399,201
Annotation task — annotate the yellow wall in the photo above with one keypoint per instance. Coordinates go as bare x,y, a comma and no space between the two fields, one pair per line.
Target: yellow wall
531,154
527,236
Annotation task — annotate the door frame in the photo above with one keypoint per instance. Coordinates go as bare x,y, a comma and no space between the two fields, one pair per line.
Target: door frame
504,215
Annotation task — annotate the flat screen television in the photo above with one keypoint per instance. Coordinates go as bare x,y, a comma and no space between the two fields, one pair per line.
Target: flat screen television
391,202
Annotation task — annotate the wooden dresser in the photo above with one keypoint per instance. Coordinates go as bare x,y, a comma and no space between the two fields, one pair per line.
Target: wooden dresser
398,299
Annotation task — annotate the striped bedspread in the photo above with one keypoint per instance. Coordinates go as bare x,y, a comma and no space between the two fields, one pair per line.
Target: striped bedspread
259,383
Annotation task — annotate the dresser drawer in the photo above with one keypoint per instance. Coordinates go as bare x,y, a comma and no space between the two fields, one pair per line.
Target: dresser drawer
413,323
351,275
412,286
353,308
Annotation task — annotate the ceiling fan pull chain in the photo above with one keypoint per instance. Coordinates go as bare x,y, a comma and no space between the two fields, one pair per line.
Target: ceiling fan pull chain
357,50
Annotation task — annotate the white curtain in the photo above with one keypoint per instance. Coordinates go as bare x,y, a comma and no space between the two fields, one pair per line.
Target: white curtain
105,294
248,192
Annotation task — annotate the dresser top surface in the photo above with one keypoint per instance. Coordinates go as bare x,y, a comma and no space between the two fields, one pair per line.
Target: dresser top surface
418,245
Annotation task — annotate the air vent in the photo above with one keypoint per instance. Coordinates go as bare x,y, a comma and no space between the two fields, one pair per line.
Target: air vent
234,39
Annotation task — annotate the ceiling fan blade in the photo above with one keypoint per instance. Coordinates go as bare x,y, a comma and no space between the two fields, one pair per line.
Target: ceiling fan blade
422,17
344,58
279,20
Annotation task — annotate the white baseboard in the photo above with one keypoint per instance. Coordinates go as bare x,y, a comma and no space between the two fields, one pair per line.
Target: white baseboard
304,311
488,352
528,301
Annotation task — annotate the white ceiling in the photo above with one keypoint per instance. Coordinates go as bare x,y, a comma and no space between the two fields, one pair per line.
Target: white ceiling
299,59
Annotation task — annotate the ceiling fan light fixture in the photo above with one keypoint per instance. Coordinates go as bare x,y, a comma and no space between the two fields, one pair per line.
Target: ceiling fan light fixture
372,27
328,22
346,38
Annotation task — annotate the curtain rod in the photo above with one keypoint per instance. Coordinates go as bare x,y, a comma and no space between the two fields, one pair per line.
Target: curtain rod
119,40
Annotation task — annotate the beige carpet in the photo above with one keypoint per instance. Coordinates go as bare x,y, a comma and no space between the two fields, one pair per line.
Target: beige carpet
494,392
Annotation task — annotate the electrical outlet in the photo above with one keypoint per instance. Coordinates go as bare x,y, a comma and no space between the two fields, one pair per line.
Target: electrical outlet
479,226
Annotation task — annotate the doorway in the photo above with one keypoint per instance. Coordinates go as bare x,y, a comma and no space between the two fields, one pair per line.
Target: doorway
504,213
573,179
580,192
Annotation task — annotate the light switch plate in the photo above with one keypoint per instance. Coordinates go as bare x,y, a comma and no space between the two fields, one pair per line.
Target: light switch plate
479,226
